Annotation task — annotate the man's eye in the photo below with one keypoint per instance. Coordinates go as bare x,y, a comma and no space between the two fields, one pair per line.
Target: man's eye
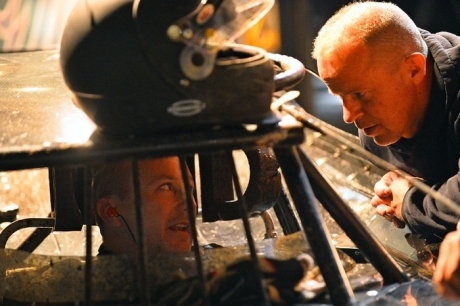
361,96
167,186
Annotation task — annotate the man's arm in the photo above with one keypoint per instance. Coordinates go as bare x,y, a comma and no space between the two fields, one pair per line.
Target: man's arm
428,217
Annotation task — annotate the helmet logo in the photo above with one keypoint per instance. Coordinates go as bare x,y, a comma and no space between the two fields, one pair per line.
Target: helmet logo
186,108
205,14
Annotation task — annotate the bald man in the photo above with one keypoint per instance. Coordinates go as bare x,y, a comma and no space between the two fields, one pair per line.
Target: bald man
400,86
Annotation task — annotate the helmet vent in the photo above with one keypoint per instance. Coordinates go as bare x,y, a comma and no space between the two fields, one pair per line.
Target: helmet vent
196,63
198,59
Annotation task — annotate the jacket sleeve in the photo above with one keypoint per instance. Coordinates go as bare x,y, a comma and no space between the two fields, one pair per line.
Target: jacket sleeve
430,217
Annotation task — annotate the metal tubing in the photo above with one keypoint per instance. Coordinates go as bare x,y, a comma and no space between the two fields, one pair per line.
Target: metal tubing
270,231
109,150
34,239
144,289
247,229
315,230
191,218
87,219
286,215
23,223
351,224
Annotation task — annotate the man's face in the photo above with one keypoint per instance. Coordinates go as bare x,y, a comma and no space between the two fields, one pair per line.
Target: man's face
379,101
166,224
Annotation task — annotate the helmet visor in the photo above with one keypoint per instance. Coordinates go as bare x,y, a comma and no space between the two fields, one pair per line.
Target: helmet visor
218,21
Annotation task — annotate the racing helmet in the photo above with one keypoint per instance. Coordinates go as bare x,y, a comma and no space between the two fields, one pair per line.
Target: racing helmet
139,67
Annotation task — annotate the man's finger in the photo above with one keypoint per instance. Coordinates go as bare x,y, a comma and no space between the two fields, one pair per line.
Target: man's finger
382,188
384,210
376,201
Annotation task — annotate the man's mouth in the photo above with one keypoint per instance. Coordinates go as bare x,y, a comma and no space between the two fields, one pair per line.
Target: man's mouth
368,131
183,227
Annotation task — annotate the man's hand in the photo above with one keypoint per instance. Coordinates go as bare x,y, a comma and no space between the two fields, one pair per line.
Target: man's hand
446,276
389,196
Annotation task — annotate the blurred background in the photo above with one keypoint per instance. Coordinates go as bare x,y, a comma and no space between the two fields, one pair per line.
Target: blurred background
288,29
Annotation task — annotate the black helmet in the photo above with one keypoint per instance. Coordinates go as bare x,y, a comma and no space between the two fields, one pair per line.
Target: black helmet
147,66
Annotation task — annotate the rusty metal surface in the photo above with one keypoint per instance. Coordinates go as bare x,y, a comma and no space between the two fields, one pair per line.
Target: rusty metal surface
37,111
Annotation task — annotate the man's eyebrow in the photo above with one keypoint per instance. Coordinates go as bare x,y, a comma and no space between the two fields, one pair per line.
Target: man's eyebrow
347,91
172,178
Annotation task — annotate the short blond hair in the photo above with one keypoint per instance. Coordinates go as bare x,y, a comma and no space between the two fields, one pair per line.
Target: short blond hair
381,26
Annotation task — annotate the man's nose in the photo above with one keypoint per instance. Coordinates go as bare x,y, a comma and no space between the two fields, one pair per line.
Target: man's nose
351,110
194,205
184,201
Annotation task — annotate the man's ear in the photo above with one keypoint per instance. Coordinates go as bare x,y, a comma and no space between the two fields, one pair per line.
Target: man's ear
102,207
416,66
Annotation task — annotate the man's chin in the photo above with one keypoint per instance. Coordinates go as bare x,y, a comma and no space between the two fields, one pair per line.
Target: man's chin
180,247
384,140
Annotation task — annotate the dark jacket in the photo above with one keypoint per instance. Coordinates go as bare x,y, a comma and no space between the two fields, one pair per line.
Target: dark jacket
434,153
